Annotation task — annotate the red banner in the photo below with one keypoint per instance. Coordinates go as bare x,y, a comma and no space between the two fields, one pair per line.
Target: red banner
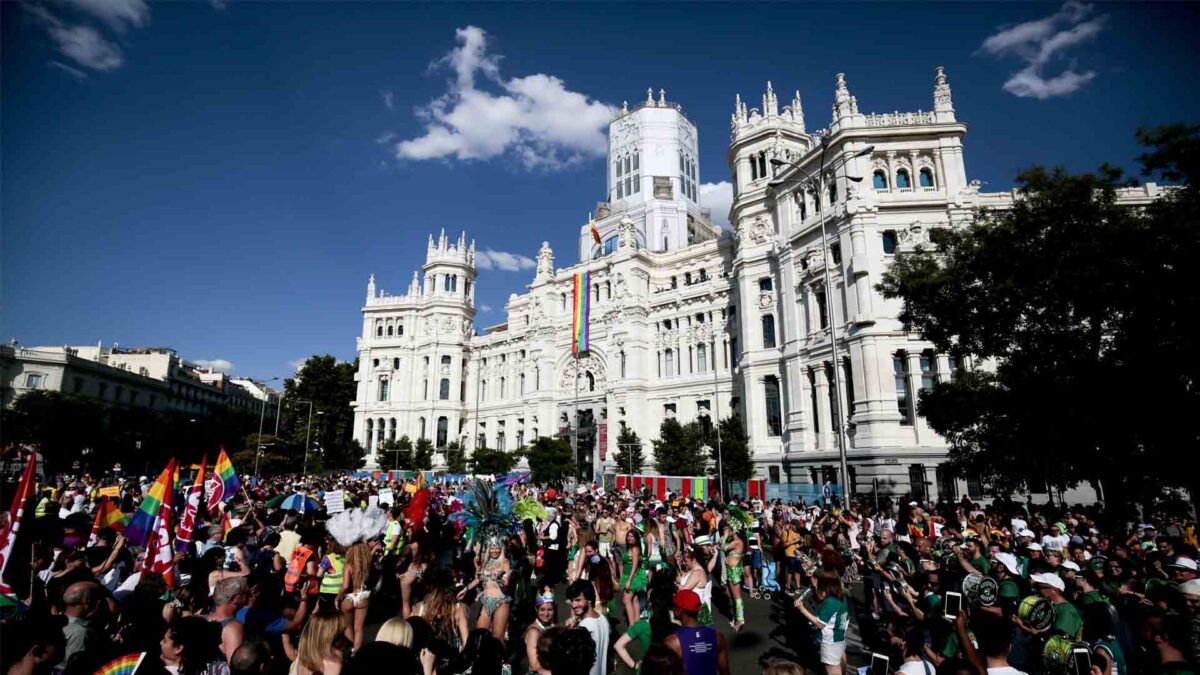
603,441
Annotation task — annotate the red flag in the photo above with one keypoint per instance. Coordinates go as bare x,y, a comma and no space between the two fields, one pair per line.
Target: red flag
160,556
191,506
8,536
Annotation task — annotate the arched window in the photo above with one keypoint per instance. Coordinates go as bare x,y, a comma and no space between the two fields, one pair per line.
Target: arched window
591,381
399,329
522,385
562,301
701,358
379,331
926,178
390,329
443,426
768,331
889,242
421,428
902,180
483,390
622,364
444,389
392,429
669,355
771,401
879,180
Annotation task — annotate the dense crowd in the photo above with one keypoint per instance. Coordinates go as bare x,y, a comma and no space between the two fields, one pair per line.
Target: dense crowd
491,579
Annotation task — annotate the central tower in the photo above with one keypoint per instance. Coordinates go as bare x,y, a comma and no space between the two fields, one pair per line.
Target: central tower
653,178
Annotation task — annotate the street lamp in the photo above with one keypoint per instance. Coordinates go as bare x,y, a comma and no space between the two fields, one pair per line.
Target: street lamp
808,181
261,415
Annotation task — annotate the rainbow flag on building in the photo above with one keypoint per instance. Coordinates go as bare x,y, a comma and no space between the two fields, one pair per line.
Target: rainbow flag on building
143,522
579,322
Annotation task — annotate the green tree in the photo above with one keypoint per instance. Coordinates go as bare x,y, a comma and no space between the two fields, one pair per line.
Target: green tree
488,461
677,452
1084,306
630,458
550,461
329,385
736,463
456,458
61,426
399,453
423,455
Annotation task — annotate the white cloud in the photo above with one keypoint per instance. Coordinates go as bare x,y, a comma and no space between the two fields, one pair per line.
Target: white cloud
297,364
220,365
502,260
82,44
389,99
718,197
485,308
386,137
1038,42
73,72
534,119
117,14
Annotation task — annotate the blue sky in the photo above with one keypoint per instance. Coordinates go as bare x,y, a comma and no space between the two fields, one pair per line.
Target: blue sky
221,178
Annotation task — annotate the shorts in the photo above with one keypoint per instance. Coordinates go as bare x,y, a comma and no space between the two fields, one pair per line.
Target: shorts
832,653
358,599
733,574
605,549
794,566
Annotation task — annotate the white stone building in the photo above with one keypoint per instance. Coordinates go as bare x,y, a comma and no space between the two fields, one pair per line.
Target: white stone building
689,321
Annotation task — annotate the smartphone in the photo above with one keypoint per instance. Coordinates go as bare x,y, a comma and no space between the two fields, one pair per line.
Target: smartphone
880,665
953,604
1082,658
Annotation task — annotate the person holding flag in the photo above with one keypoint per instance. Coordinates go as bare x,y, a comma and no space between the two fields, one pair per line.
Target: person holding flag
224,483
191,508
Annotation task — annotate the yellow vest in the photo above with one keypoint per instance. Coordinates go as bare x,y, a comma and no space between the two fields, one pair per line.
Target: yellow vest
331,583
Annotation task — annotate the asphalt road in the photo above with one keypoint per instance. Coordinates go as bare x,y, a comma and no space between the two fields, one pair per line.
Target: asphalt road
773,630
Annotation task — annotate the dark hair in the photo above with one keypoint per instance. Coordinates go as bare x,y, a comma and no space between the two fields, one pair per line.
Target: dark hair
250,658
993,633
200,640
483,653
572,651
954,666
914,642
660,660
421,631
581,587
662,599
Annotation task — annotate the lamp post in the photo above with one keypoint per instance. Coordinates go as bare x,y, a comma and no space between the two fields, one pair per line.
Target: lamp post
261,415
808,181
307,435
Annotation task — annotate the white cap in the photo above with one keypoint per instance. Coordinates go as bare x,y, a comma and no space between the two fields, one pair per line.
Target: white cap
1009,561
1190,587
1034,546
1070,565
1026,533
1048,579
1184,563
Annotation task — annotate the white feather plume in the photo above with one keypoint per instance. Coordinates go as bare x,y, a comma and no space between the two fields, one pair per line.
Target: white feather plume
355,525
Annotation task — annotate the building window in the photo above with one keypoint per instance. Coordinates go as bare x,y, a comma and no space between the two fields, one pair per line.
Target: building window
768,331
591,381
771,399
928,369
701,358
610,245
102,390
383,389
521,385
903,395
443,425
669,355
952,366
879,180
483,390
822,307
622,358
902,180
444,389
421,428
378,331
764,284
500,439
947,489
396,364
389,330
33,380
916,481
835,253
889,242
772,474
399,330
926,178
446,361
848,375
503,393
78,386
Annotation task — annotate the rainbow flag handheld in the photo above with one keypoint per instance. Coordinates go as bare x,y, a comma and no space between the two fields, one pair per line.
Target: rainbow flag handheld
107,515
160,555
229,477
142,524
125,665
579,322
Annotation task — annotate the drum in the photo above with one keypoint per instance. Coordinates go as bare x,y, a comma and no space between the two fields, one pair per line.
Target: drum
808,597
1058,656
1036,612
980,591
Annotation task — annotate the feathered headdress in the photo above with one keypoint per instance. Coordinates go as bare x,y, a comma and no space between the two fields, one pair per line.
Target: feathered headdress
738,518
528,508
484,516
418,508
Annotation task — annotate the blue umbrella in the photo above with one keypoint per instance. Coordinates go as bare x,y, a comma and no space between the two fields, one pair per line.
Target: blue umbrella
299,502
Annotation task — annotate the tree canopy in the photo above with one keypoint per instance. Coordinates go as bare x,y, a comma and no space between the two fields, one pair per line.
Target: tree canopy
329,385
1075,310
550,461
677,451
630,458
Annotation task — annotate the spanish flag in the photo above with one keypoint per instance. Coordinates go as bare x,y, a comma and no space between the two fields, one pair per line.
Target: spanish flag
594,229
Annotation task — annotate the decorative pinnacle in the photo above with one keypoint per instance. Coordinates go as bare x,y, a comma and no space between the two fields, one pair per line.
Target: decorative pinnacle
662,98
649,95
624,107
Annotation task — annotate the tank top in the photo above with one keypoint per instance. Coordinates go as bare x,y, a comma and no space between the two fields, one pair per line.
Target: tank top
699,647
331,583
703,592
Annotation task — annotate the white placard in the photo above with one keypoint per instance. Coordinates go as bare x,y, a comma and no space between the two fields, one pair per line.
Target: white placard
335,501
372,501
386,497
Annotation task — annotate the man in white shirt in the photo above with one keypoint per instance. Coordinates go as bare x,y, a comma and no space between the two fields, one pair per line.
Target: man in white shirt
582,596
1057,540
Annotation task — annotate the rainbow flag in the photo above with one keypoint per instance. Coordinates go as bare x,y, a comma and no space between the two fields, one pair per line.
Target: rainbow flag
125,665
145,518
107,515
229,477
579,322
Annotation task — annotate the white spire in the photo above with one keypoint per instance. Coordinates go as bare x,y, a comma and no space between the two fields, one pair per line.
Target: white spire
662,98
942,101
770,104
649,95
844,105
798,110
624,107
370,287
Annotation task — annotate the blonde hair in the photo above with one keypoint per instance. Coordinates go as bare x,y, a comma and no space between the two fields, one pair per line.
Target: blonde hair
782,667
358,557
397,632
317,639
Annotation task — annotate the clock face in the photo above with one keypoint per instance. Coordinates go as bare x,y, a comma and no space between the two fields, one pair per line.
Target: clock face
626,131
686,136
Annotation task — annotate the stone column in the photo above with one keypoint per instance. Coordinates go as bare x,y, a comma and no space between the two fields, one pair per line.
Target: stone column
824,414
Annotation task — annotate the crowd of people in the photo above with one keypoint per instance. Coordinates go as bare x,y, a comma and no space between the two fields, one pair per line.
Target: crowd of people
491,579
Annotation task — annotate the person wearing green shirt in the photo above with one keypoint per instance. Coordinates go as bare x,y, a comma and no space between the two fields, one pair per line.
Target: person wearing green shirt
1067,620
832,618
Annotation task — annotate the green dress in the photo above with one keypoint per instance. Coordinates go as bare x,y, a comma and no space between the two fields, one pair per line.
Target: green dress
638,583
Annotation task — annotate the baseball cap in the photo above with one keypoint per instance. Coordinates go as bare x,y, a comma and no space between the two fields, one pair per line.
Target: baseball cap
1033,546
1070,565
1026,533
688,601
1184,563
702,540
1048,579
1009,561
1191,587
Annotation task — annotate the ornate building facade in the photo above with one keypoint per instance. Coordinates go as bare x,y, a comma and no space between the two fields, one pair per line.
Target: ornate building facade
694,322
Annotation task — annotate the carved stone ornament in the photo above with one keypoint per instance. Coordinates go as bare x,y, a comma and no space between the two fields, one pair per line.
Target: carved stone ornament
914,235
760,229
577,368
626,233
766,299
